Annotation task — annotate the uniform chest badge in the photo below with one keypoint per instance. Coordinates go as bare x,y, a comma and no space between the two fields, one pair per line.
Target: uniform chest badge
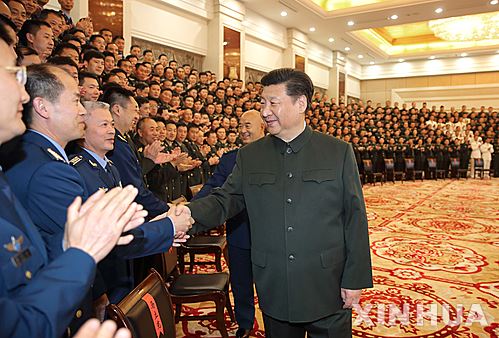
15,244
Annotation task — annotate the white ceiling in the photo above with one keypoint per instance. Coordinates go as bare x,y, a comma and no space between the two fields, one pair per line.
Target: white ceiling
303,14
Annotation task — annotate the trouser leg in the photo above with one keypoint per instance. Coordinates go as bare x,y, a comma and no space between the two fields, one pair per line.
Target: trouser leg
241,279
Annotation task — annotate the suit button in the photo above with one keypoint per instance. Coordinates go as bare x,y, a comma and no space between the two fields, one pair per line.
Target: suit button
291,258
290,175
79,313
28,274
290,228
288,150
289,201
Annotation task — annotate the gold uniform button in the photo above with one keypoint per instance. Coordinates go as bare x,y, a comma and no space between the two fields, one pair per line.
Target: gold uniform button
79,313
28,274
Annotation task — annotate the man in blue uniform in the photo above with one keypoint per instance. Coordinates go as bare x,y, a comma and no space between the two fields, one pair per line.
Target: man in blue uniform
46,184
98,172
125,112
37,297
251,128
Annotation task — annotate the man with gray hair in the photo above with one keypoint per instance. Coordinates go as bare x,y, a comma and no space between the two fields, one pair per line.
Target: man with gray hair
55,116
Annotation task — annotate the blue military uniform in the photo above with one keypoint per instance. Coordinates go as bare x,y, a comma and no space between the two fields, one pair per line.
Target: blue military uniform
126,161
97,173
37,298
239,241
46,185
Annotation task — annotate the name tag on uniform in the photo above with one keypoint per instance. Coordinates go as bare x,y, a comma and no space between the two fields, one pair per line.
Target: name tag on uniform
20,258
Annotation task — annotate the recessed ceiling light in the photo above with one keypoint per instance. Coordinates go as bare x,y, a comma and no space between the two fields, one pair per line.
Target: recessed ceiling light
360,56
312,29
464,55
330,39
225,43
432,57
439,10
347,49
284,13
394,17
371,63
401,60
350,23
494,2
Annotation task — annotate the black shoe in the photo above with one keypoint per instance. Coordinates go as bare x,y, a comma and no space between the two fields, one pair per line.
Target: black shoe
242,333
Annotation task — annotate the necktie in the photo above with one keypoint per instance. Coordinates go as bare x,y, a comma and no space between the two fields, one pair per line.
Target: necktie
7,204
111,174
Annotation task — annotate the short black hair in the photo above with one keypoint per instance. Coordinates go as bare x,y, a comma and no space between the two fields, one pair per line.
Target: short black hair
116,95
146,51
65,45
83,75
31,27
45,13
297,82
141,85
95,36
4,34
92,54
42,82
62,60
117,37
141,100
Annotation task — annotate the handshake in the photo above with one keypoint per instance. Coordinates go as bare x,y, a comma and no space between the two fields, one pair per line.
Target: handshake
180,215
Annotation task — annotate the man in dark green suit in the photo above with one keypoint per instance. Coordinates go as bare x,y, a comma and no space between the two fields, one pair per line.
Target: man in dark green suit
310,246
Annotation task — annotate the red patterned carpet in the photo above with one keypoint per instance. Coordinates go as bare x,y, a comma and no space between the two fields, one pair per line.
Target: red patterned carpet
435,253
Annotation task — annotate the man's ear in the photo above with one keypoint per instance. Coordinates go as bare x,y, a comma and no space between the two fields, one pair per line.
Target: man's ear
302,103
115,109
41,107
30,37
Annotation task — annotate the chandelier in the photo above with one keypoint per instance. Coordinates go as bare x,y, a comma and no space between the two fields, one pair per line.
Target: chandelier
467,28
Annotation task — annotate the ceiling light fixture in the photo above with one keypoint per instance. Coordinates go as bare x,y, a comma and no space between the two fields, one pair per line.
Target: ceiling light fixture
401,60
439,10
394,17
347,49
350,23
464,55
371,63
476,27
432,57
284,13
330,39
312,29
360,56
494,2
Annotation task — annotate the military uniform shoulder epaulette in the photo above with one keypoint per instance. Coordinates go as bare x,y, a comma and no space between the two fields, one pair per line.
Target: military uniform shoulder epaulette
78,159
55,155
122,138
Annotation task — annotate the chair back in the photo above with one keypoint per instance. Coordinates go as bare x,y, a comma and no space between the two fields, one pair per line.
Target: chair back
455,162
409,163
478,163
389,164
147,311
170,260
368,165
432,163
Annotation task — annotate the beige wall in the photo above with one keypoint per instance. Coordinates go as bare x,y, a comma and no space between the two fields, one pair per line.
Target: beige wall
381,90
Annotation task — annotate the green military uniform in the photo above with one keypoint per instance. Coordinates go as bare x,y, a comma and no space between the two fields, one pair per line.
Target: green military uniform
308,222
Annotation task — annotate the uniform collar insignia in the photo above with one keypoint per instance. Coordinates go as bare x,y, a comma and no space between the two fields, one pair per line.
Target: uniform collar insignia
15,244
55,155
121,137
93,164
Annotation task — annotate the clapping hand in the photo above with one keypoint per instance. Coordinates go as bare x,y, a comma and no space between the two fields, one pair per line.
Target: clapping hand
97,226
